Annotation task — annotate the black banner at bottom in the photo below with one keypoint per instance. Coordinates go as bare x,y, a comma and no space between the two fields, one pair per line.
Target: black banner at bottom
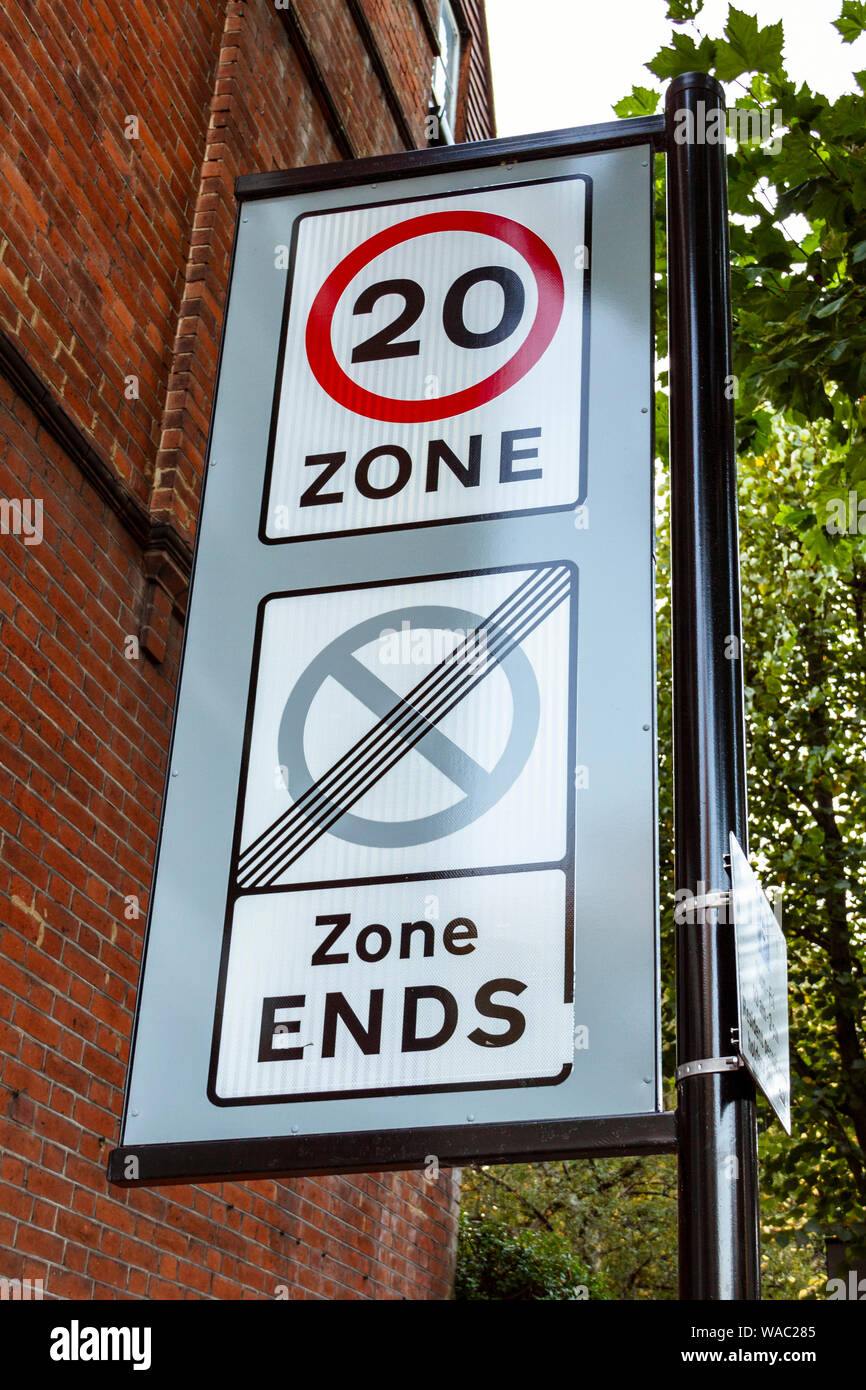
199,1336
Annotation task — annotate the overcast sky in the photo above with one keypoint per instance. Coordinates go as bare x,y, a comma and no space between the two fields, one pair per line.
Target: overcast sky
564,62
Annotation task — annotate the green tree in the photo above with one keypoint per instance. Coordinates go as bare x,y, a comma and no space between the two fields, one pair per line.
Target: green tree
498,1261
798,248
805,673
617,1217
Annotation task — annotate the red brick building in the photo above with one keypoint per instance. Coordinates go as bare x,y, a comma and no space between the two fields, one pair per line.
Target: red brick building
122,130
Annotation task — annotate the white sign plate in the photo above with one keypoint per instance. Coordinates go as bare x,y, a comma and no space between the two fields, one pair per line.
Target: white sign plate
762,976
415,783
432,363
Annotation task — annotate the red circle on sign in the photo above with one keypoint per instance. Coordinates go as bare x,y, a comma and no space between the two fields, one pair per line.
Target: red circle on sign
346,392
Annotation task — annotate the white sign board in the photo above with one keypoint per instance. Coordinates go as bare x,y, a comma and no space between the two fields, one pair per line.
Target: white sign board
421,738
762,979
406,878
432,366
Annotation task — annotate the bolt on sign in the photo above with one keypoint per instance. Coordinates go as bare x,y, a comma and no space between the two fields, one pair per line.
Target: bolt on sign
404,900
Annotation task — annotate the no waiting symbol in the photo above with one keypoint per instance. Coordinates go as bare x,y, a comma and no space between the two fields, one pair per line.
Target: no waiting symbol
406,723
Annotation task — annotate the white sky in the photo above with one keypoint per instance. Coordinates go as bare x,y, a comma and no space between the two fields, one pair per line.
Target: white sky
563,63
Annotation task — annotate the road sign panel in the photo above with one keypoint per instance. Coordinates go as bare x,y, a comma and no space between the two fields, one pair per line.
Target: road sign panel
762,978
406,875
396,988
453,694
433,362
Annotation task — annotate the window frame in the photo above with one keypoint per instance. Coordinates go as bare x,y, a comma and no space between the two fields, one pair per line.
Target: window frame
449,73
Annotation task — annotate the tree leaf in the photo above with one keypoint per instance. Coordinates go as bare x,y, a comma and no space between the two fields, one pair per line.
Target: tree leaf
852,21
641,101
683,55
747,47
682,11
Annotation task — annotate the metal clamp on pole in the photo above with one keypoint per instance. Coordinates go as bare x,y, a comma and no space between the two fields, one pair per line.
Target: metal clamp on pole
703,901
708,1064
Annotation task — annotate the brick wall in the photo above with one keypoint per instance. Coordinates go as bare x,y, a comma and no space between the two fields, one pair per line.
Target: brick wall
475,115
113,264
96,224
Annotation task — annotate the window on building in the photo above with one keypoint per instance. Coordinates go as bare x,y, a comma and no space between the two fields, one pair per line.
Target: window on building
446,71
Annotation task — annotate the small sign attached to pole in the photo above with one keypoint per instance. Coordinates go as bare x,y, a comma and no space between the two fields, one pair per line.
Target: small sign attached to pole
762,980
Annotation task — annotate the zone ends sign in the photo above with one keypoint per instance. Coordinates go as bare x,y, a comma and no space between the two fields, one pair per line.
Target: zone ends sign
398,880
404,901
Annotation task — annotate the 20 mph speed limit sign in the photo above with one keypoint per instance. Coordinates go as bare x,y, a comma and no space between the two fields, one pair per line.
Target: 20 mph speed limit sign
404,901
433,361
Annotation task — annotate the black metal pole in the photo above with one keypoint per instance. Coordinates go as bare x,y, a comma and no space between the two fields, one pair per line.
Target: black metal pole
718,1177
